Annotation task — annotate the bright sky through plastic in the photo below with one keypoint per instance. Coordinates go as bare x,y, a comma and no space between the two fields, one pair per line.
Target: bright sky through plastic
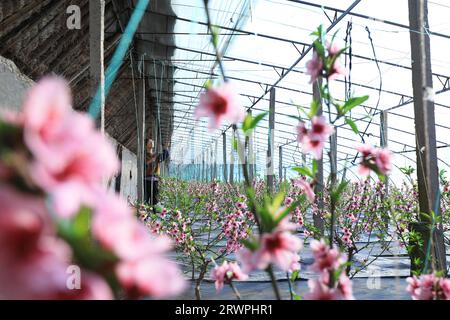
293,21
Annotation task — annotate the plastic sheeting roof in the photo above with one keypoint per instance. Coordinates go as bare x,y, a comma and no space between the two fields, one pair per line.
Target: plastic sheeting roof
260,38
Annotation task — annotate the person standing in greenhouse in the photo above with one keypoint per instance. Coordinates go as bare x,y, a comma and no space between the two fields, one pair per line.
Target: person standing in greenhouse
152,171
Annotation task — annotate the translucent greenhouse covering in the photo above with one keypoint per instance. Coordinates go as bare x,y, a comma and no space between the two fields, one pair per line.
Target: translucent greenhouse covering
262,43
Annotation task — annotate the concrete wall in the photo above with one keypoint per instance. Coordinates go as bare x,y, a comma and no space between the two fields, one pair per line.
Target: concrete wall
128,182
13,85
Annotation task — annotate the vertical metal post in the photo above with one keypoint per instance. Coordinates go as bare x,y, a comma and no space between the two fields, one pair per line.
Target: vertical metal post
280,163
270,142
215,160
232,157
96,48
224,151
384,144
141,152
431,255
203,167
333,152
212,161
251,154
317,218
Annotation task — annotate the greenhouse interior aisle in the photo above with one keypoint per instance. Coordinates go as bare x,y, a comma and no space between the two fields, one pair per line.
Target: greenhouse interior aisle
209,149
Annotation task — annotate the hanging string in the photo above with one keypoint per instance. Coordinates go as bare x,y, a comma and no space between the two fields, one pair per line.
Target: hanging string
373,111
349,60
119,54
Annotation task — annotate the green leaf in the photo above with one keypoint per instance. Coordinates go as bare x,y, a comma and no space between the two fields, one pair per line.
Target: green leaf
286,211
208,84
81,223
314,167
235,144
352,125
277,201
250,244
250,123
296,296
247,123
294,275
215,35
335,195
315,106
304,171
352,103
302,110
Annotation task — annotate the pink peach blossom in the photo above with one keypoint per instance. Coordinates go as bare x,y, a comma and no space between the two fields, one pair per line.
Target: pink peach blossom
152,275
220,103
383,160
33,261
428,287
143,269
314,67
324,257
320,291
66,147
279,248
376,159
226,273
306,188
313,140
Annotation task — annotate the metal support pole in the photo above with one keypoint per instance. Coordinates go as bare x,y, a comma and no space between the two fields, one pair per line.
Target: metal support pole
215,160
211,160
384,144
96,48
280,163
270,142
431,255
141,152
251,154
232,157
224,151
203,167
333,157
317,218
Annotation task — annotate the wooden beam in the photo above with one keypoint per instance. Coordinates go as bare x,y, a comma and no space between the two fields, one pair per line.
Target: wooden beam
96,48
431,255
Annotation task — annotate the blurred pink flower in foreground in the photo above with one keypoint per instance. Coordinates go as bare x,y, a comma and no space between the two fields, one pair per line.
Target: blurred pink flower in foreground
336,69
33,262
377,159
428,287
324,257
68,159
143,270
306,187
314,67
313,140
226,273
326,262
68,152
219,103
279,247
